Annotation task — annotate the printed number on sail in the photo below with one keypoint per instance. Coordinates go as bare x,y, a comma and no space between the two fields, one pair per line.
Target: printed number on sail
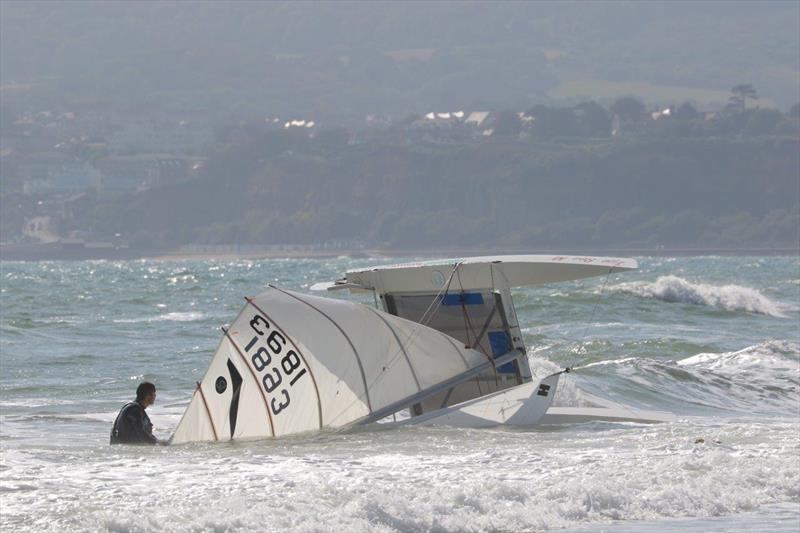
266,350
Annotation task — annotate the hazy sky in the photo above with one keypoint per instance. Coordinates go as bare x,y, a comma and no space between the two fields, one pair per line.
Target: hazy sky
345,59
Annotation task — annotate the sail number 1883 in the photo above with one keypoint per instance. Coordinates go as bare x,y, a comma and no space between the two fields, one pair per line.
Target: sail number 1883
269,357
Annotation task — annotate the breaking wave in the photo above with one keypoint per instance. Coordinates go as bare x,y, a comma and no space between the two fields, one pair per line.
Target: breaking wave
726,297
763,378
780,359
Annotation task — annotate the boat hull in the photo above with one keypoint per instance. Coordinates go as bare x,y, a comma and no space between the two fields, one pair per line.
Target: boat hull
523,405
530,404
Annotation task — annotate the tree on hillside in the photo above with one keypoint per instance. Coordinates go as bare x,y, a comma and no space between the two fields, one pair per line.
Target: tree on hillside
739,95
629,109
794,112
762,121
594,119
507,124
686,111
332,139
552,121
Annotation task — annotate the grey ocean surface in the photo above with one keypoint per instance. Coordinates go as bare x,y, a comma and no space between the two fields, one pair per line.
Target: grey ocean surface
715,340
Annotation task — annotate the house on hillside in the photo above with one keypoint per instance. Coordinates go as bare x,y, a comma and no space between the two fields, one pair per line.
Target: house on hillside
56,173
73,207
659,114
124,173
10,182
150,135
480,124
476,119
442,126
41,229
299,123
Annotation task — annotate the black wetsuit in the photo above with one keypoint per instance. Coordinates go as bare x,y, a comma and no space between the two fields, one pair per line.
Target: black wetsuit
132,426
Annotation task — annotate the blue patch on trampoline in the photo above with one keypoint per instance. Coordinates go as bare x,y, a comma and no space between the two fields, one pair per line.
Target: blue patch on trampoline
467,298
498,340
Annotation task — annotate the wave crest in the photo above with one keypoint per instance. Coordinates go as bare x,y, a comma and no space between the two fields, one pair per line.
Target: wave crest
763,378
726,297
780,358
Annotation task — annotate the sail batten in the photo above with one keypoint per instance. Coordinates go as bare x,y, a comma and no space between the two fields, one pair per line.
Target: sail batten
436,389
344,334
402,348
453,344
208,412
300,353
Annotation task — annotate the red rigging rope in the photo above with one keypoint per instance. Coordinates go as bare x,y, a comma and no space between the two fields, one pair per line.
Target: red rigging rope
468,326
468,322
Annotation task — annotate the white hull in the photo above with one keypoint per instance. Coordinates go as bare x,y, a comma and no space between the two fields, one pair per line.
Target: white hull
529,404
578,415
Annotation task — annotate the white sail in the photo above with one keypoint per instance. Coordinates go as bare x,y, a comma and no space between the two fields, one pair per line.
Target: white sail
292,363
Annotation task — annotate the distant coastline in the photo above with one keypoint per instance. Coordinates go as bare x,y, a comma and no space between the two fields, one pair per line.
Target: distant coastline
58,252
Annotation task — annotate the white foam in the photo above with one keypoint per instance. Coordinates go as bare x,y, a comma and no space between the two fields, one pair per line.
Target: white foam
166,317
779,358
727,297
414,480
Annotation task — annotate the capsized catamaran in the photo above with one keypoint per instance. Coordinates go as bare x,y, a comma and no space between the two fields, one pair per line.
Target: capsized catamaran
445,345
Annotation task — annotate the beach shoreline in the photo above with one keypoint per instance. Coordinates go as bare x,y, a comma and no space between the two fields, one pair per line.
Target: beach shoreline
55,252
386,254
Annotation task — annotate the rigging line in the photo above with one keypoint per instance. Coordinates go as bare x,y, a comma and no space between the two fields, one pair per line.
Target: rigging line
255,378
208,411
450,339
414,332
594,307
478,382
405,354
467,321
464,316
423,320
445,288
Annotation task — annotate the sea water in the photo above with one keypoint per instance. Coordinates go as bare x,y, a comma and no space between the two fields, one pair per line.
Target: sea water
714,340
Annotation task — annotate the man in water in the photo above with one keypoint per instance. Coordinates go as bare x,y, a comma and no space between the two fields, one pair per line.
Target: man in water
132,425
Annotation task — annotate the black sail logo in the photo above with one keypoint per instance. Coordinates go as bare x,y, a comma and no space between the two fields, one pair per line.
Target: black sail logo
236,381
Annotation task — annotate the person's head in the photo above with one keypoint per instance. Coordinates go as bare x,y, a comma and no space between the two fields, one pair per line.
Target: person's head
146,393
